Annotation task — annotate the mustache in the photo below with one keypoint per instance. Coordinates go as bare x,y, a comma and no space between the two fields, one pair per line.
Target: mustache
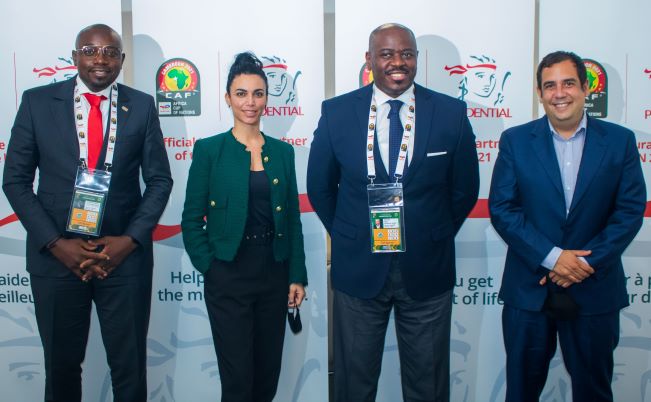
397,70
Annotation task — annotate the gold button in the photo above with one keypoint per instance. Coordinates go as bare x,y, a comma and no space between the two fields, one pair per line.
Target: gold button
212,203
275,181
279,208
265,159
280,235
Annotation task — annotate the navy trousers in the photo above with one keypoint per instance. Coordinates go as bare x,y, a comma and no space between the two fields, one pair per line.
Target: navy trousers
587,345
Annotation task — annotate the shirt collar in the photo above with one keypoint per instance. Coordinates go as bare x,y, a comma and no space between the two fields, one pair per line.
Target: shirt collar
583,124
381,98
83,89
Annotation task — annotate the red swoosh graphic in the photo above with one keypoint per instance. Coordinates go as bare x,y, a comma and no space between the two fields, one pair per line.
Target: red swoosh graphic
163,232
9,219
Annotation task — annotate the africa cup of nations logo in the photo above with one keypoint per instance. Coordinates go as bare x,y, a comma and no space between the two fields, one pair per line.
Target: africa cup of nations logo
178,89
596,103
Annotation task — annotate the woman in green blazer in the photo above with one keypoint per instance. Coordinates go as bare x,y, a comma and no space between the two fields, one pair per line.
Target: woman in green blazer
242,229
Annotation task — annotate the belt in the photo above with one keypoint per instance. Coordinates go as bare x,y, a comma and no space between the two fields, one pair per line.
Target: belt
258,237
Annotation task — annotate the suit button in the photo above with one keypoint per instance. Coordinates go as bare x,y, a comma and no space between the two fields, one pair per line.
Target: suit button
280,235
279,208
212,203
275,181
265,159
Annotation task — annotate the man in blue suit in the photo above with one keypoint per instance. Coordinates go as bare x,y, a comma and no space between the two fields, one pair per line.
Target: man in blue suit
69,271
357,135
567,197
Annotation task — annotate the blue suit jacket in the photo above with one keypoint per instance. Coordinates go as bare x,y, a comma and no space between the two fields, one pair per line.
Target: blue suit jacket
528,210
439,192
44,137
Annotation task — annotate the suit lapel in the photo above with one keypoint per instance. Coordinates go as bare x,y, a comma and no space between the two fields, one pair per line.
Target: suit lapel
124,109
64,116
422,130
593,153
544,148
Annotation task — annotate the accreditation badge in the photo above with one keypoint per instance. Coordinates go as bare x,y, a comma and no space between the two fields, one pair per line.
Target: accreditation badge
88,201
386,214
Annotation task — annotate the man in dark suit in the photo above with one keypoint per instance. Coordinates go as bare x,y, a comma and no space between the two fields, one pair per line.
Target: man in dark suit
567,197
440,182
69,271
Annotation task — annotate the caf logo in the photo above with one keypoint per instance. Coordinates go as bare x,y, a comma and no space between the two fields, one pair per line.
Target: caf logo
596,103
178,88
365,76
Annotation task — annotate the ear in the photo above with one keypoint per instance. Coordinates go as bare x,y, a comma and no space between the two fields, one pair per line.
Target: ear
368,61
539,92
74,57
227,98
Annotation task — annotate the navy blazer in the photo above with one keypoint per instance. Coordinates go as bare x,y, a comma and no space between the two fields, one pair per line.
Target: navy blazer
527,208
439,192
44,137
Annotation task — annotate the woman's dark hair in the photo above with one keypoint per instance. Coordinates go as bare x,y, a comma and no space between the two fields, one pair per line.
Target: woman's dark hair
245,63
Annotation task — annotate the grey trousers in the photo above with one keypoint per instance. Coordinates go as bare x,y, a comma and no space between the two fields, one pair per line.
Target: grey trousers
423,333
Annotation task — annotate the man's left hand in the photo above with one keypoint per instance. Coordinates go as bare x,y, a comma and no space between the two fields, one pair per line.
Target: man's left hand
117,248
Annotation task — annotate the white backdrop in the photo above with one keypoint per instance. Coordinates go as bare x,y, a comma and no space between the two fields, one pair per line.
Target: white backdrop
616,36
36,50
458,35
289,40
452,39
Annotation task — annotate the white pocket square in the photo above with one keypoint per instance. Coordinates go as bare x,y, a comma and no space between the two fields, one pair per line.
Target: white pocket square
436,153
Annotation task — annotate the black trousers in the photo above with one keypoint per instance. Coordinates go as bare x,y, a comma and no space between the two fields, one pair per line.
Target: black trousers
246,301
63,308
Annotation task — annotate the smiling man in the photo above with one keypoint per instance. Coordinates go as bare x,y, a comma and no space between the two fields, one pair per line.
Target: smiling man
567,197
411,151
89,225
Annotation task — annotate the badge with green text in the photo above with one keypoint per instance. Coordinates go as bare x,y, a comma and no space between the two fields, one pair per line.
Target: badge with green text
386,213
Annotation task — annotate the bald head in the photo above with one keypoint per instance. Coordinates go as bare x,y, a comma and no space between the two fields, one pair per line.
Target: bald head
97,28
389,26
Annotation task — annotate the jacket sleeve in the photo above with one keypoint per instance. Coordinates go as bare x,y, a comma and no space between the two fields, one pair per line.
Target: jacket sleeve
18,180
195,209
323,173
465,174
297,271
507,215
156,175
626,217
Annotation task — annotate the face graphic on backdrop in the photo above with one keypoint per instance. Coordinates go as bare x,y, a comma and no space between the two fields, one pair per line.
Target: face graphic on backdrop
98,63
392,57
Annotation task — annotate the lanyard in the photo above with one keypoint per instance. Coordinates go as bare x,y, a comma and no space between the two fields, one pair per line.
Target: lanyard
404,144
81,118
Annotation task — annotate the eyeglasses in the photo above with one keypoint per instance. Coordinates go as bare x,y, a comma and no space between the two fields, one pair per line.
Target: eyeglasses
111,52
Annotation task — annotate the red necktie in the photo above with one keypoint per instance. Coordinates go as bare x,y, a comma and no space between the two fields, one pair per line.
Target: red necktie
95,130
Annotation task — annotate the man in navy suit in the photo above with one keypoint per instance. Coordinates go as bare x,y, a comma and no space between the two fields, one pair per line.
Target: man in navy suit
69,271
440,181
567,197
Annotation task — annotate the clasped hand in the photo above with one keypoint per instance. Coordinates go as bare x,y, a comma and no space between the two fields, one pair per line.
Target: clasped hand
84,260
570,269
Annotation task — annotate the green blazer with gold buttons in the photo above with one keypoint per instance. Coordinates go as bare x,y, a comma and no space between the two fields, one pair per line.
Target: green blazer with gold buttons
217,197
